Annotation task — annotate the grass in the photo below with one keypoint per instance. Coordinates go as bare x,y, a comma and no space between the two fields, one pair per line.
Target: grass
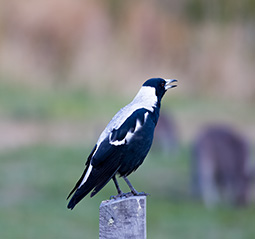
35,181
23,102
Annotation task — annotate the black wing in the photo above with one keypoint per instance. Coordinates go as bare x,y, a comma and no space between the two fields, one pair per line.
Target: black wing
83,175
106,159
129,125
105,163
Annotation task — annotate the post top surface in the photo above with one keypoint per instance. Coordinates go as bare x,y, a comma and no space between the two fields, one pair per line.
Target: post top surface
118,200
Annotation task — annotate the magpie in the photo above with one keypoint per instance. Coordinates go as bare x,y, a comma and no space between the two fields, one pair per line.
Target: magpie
124,144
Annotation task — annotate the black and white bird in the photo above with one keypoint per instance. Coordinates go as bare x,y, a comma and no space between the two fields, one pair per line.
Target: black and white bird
125,142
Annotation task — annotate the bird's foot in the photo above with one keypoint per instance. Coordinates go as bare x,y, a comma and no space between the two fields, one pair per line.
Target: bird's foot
121,195
135,193
115,197
129,194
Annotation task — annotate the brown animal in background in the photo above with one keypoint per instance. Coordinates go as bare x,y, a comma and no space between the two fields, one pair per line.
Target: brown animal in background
220,167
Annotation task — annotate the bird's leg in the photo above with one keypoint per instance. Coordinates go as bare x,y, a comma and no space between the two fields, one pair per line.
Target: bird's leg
117,185
120,193
133,191
130,186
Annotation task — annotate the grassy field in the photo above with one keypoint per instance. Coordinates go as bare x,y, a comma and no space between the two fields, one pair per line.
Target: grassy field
35,180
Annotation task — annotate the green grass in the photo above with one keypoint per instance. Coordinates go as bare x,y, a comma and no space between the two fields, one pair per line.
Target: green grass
23,102
35,181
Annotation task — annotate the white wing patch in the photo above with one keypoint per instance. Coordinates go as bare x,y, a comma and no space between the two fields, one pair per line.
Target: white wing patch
146,116
129,134
86,175
117,142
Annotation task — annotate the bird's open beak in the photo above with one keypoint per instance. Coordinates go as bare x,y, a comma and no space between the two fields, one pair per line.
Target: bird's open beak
169,83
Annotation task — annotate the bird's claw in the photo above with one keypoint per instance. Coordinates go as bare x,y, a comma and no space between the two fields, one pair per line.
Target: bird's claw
129,194
140,194
121,195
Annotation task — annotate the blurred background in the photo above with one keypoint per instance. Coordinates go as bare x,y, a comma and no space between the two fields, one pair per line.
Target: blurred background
66,67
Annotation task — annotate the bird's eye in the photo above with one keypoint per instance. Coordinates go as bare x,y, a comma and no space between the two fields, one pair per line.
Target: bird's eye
163,84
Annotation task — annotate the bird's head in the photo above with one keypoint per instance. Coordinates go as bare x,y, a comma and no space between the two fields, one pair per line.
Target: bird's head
160,85
152,91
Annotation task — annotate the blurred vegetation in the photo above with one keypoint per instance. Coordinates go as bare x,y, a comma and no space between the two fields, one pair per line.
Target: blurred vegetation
209,45
35,179
34,182
221,11
23,102
66,67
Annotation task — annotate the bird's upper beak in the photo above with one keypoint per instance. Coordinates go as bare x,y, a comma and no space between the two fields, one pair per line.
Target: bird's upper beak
169,83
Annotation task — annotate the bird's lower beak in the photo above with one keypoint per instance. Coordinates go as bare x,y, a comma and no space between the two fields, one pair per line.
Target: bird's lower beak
169,83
